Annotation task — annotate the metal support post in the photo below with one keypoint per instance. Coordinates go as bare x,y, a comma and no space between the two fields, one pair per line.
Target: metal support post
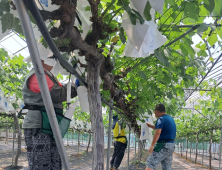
72,137
135,145
109,135
78,141
34,53
178,147
220,149
128,149
13,146
138,146
203,151
190,149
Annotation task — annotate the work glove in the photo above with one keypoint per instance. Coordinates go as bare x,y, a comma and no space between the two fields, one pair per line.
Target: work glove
77,83
120,122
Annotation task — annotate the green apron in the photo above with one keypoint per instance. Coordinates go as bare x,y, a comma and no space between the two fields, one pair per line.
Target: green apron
160,144
63,121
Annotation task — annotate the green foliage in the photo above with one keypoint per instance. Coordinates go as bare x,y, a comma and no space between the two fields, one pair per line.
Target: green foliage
146,12
205,118
209,5
12,73
10,22
122,36
4,6
161,57
202,28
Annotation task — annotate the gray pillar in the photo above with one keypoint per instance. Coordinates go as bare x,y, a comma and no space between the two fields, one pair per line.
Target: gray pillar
109,135
34,53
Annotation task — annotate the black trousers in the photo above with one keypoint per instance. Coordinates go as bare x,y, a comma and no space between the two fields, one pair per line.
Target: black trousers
119,150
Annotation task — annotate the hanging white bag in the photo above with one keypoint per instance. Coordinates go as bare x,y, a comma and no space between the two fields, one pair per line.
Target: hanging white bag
144,132
135,33
84,16
146,42
155,4
69,92
83,98
69,112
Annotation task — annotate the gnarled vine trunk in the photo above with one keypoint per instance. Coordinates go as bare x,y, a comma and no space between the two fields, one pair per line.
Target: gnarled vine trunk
19,139
96,114
6,134
187,148
141,149
78,141
87,149
181,147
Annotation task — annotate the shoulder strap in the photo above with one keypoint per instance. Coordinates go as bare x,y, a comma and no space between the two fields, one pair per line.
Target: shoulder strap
54,80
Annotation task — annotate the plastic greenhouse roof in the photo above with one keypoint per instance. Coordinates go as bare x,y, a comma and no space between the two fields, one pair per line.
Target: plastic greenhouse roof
14,45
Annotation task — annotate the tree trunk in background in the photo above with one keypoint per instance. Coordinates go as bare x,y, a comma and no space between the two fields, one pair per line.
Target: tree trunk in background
87,150
6,134
210,148
78,141
96,114
19,139
141,148
187,148
203,151
190,149
214,149
181,149
196,147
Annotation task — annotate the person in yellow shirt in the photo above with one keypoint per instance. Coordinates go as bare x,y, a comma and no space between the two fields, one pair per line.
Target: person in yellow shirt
120,143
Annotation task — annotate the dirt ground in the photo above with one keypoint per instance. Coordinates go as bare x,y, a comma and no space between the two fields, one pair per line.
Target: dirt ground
83,161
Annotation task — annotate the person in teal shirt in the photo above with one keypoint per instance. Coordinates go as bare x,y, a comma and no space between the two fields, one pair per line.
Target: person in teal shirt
163,144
